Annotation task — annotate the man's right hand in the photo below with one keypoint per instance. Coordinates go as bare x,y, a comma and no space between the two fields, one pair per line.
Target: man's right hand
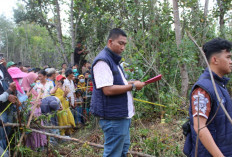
12,86
139,85
3,62
12,98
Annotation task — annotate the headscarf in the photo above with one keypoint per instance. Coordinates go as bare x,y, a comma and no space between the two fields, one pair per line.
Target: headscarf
16,74
28,80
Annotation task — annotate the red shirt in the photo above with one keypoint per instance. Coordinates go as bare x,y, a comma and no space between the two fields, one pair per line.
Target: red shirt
91,86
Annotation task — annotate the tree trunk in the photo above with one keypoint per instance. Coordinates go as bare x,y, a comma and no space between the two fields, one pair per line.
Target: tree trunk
7,48
54,42
21,53
195,20
201,62
59,31
72,31
221,18
206,10
75,33
136,16
183,67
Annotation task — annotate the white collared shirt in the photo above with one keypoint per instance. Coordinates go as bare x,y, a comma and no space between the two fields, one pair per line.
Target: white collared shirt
103,77
2,76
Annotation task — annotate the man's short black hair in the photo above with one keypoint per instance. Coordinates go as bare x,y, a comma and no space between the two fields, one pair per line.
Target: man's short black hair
216,45
68,72
36,70
20,64
43,72
78,91
63,64
83,62
87,72
115,33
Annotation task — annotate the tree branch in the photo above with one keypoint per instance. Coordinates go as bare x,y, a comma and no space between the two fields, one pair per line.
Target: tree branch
39,126
85,142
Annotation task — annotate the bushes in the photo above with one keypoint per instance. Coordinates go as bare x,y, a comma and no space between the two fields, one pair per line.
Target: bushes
157,139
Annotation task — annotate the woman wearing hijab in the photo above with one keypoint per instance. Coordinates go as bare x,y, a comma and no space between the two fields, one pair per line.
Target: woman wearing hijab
29,82
34,140
17,76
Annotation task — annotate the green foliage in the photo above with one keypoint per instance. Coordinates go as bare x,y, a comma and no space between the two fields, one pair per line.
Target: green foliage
30,44
155,141
25,151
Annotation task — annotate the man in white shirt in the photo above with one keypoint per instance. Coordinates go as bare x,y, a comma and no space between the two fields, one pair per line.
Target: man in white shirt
68,83
112,100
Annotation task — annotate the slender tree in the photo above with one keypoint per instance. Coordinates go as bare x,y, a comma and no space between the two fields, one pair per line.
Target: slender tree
183,66
223,6
72,29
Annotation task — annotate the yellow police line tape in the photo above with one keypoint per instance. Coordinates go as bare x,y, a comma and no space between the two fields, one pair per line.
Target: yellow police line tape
5,108
7,146
144,101
84,87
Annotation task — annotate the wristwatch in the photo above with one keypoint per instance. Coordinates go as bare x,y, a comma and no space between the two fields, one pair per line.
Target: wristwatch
133,87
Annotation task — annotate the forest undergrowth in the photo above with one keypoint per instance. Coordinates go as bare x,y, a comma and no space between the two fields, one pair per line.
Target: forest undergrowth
148,136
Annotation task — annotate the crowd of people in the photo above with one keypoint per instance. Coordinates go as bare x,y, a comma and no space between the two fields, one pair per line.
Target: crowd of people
63,93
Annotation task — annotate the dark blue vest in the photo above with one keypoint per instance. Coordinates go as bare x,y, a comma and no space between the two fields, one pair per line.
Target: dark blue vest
109,107
4,86
220,128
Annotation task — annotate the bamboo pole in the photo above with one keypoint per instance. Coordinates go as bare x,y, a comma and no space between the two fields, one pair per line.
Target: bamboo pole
33,109
28,124
3,126
41,127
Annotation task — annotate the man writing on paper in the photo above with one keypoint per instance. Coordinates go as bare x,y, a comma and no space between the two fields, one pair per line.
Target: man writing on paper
112,99
215,138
